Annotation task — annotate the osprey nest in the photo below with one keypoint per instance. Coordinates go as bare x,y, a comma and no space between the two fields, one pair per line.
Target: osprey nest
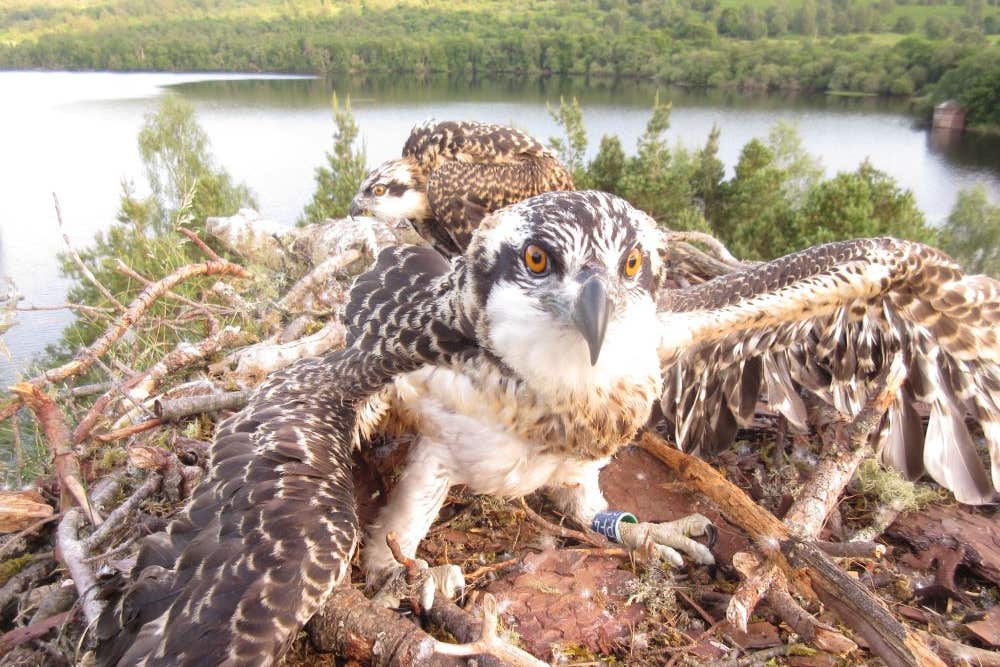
888,572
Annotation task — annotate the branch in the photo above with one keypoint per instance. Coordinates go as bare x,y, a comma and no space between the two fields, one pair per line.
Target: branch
70,551
57,435
178,408
140,386
79,262
85,358
250,365
857,609
211,254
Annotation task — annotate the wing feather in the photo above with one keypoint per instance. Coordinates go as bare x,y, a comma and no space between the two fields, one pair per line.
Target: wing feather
271,529
824,322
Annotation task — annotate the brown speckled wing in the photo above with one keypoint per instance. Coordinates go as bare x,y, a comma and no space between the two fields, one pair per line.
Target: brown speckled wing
271,529
825,321
474,169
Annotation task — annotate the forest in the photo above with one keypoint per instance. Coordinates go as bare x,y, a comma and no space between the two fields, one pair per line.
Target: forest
930,50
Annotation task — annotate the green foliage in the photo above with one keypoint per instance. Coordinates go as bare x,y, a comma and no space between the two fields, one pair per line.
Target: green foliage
186,186
972,233
754,216
776,203
975,83
338,181
865,202
571,148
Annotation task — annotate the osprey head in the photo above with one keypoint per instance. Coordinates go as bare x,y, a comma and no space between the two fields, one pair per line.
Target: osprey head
395,190
563,286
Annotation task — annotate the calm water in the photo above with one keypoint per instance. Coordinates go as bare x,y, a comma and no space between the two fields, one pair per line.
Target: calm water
75,134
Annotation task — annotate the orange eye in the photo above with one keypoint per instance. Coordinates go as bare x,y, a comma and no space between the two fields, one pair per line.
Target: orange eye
536,259
378,190
633,262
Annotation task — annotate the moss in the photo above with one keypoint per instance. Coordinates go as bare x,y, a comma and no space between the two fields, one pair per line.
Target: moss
12,566
889,487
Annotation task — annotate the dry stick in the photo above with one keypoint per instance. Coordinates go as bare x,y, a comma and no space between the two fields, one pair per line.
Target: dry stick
201,244
85,358
86,390
96,310
111,436
213,322
821,493
591,538
352,627
178,408
79,262
11,544
185,354
489,643
959,653
57,435
867,550
38,629
118,515
73,556
859,609
72,552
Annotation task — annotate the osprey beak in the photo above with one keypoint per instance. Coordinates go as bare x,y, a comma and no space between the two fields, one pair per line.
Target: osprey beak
358,206
590,315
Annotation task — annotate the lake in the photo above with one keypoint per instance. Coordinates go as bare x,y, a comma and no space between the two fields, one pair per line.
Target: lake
75,134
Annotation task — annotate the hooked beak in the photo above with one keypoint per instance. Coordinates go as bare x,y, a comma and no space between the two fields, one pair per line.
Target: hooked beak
590,315
358,206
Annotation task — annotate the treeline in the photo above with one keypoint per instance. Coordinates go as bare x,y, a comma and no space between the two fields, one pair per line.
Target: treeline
690,43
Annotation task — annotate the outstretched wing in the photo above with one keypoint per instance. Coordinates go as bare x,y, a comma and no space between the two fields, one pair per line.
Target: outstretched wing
474,169
271,529
822,323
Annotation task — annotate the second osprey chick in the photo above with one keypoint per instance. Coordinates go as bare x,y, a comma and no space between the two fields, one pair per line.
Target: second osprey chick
452,174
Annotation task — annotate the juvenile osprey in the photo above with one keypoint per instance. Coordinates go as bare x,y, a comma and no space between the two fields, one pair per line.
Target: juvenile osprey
452,174
526,364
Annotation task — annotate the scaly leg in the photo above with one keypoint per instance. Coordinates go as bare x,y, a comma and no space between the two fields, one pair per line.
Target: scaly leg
577,492
413,505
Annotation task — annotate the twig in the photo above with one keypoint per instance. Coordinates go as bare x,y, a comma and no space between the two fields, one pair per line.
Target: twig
10,545
58,437
178,408
86,390
38,629
489,643
85,358
23,580
591,538
139,386
493,567
96,310
79,262
213,322
72,554
198,242
868,550
857,608
111,436
118,515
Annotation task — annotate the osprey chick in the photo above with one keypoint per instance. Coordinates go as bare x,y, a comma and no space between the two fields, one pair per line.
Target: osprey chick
452,174
526,364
